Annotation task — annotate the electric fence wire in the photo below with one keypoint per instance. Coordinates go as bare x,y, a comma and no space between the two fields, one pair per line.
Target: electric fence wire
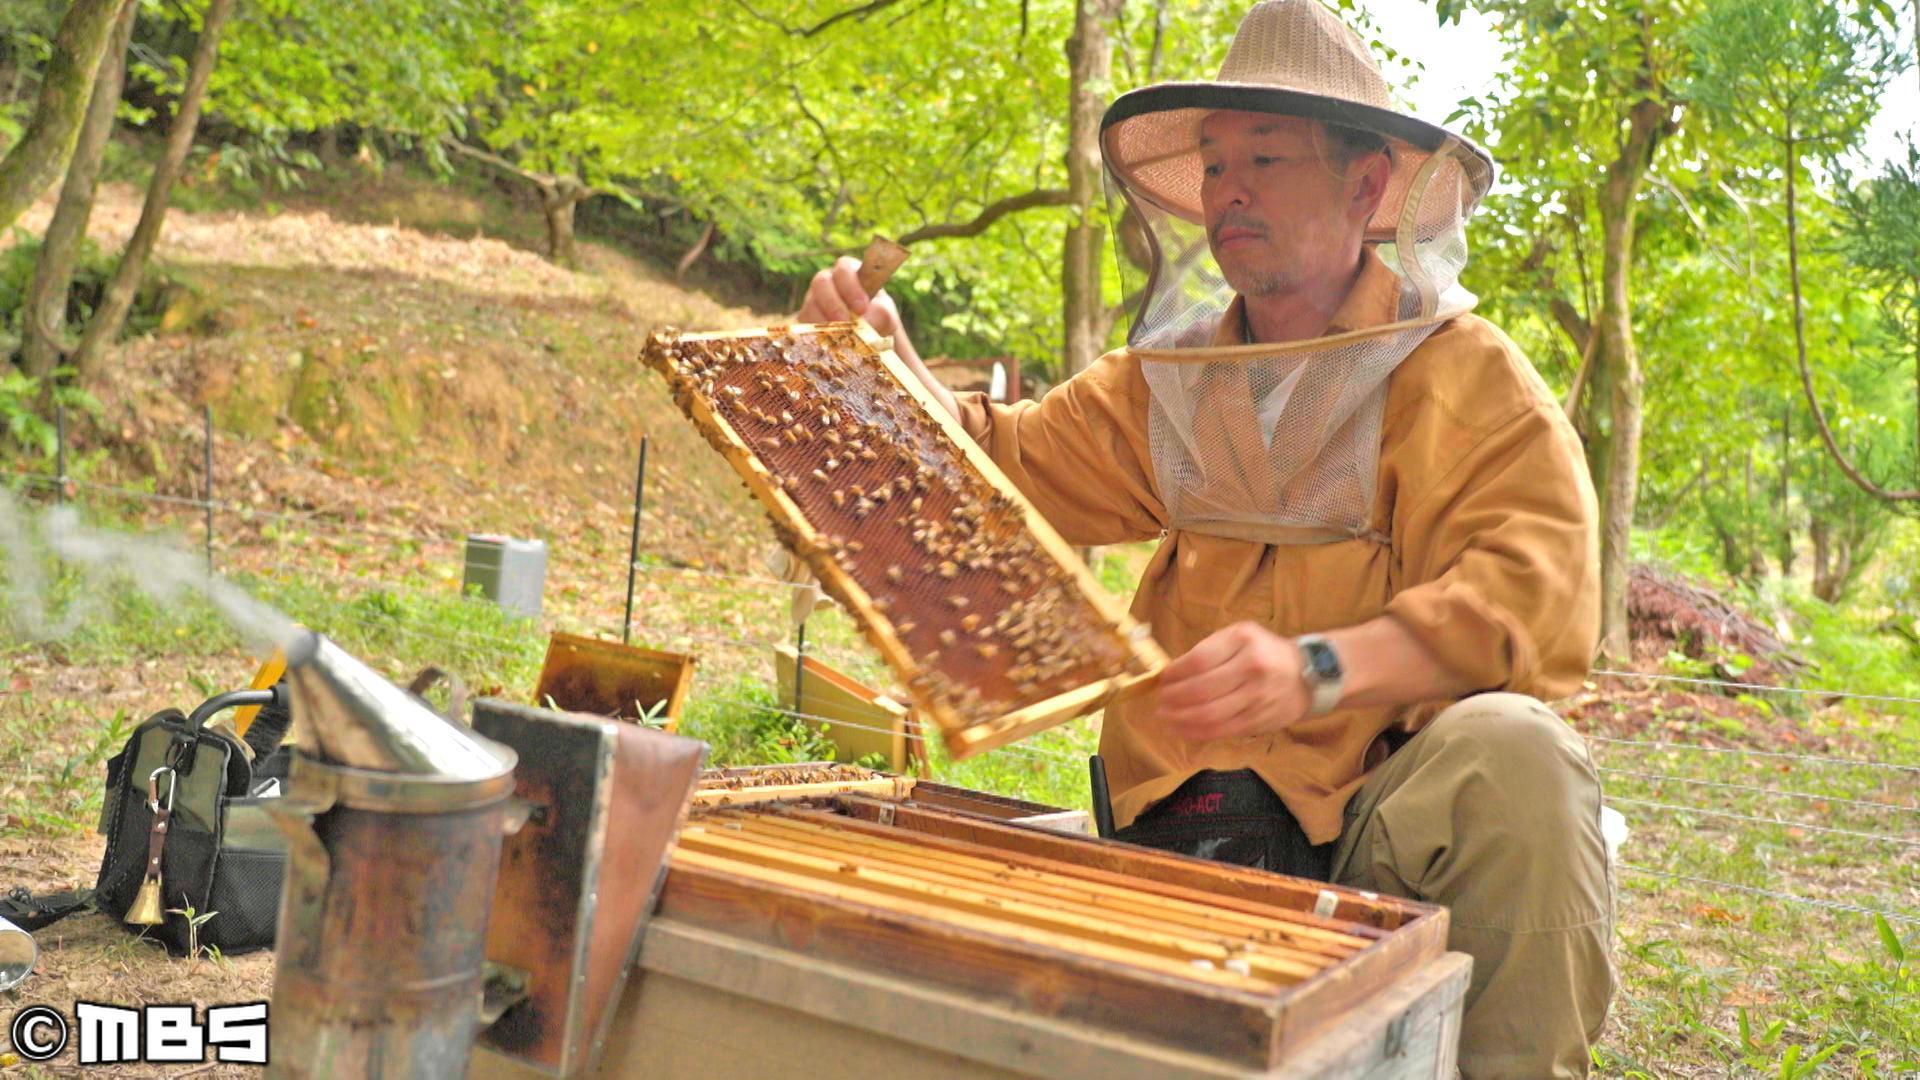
246,511
1774,894
1759,688
368,529
1809,759
1617,800
1866,804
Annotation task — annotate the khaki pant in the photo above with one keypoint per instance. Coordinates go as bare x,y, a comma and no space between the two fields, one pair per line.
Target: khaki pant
1493,811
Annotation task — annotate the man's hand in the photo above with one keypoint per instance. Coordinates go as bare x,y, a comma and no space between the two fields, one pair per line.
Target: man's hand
1243,680
1248,680
835,295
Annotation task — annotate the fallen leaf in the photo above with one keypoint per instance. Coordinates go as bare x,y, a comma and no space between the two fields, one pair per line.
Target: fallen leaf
1715,914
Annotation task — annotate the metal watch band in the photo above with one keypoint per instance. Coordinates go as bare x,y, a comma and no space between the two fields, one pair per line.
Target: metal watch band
1321,668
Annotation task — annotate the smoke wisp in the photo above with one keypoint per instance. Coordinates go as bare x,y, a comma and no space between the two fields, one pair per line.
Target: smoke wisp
163,571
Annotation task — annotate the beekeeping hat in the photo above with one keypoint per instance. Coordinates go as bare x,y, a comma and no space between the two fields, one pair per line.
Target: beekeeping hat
1305,471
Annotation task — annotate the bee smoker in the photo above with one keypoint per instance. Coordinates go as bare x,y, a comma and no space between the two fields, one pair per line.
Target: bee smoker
445,885
394,823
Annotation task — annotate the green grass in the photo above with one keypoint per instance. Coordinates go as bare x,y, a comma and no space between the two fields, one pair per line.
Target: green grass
1748,982
1732,983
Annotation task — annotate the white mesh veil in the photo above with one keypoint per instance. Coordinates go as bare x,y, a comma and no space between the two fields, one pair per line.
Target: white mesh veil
1278,443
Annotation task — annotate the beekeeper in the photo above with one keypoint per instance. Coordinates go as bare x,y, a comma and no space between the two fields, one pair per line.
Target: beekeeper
1378,551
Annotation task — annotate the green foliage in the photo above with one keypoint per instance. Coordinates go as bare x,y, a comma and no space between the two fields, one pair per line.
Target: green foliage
654,715
23,420
255,163
196,920
401,67
1852,647
1790,69
64,788
744,725
1116,574
1880,237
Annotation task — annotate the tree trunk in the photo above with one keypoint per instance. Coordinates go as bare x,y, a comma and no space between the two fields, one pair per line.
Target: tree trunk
65,90
1753,567
1785,553
1623,440
1620,366
1818,532
693,254
46,305
1833,553
330,147
118,299
557,200
1843,562
1581,333
1090,66
1595,426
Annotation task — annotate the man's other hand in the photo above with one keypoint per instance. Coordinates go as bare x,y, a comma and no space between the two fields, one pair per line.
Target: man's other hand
835,295
1243,680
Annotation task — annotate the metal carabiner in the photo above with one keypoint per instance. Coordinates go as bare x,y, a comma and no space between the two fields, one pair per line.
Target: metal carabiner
153,788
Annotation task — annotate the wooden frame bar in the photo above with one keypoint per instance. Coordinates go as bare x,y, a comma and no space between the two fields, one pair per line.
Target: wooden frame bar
1313,947
1215,883
886,787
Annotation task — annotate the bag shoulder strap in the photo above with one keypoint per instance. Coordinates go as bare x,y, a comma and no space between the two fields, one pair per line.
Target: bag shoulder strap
31,913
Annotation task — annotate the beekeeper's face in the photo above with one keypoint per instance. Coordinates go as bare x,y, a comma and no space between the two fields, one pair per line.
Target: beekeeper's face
1283,206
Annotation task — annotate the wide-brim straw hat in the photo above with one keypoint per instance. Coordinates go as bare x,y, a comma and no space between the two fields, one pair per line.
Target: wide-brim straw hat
1293,58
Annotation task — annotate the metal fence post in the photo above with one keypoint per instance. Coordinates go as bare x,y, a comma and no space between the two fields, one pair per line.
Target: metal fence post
60,454
207,415
633,544
799,667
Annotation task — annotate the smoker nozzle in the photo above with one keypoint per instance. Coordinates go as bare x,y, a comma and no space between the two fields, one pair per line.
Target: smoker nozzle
362,721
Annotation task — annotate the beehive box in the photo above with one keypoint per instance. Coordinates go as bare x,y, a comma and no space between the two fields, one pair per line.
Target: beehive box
870,937
857,719
607,678
979,606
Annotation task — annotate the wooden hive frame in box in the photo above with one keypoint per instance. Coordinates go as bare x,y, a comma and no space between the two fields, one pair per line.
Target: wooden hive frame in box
747,784
1243,967
1020,636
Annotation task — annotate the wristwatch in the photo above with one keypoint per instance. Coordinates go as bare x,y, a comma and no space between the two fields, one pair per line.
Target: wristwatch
1321,669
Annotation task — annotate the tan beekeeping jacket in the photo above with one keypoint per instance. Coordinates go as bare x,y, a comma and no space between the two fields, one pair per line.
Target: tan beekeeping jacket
1485,547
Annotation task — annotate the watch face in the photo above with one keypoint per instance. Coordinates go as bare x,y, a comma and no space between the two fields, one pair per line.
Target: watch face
1325,664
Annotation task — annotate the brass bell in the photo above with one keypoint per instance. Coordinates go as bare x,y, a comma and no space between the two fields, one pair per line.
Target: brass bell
145,910
146,905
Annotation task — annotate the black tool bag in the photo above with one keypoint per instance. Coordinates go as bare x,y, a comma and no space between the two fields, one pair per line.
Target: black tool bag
1230,817
222,860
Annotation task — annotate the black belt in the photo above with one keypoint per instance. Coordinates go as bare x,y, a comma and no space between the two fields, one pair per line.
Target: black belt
1231,817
